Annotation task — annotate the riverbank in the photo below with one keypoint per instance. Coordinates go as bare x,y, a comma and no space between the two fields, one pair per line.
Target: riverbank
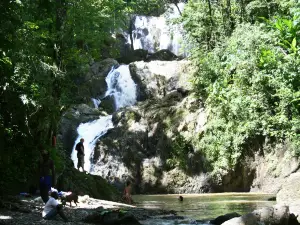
16,210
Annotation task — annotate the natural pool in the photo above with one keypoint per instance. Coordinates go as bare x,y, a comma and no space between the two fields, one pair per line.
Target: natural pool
204,206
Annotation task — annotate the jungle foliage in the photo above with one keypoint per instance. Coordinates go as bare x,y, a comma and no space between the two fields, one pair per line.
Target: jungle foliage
247,58
45,48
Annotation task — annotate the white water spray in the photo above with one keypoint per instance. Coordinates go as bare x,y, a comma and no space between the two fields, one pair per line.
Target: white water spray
96,102
156,33
123,89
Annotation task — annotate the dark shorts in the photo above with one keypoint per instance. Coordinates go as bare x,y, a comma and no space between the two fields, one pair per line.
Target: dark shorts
80,161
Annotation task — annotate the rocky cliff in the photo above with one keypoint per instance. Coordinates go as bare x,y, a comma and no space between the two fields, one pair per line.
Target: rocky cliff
154,142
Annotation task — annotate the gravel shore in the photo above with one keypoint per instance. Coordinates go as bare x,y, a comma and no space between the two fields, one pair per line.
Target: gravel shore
29,211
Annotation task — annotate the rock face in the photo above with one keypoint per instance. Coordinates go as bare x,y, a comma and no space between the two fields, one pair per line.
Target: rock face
153,142
157,78
290,190
273,168
139,147
290,194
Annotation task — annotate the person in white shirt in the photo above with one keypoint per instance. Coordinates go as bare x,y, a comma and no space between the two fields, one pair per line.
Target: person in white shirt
52,208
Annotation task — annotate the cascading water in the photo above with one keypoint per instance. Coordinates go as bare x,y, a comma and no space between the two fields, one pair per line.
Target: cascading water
96,102
156,33
123,89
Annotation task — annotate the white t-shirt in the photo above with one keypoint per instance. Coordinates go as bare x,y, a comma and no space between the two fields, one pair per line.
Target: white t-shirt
51,204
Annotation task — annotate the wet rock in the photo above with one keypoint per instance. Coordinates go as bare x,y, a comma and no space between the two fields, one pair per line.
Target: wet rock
221,219
247,219
106,217
295,209
162,55
107,104
293,219
272,198
102,68
172,217
133,56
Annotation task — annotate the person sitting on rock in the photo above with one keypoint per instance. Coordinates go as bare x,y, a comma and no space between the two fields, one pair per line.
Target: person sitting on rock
52,208
127,193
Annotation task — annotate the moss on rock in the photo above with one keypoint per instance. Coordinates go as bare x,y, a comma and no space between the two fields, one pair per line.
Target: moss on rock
86,184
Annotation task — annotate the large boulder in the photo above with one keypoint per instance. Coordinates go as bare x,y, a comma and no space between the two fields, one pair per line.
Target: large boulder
157,78
247,219
86,184
69,122
290,194
290,191
221,219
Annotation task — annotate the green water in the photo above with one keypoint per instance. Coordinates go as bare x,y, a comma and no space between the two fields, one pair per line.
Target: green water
206,206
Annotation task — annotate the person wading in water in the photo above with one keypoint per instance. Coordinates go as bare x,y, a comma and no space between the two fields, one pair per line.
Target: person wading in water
47,175
127,193
80,154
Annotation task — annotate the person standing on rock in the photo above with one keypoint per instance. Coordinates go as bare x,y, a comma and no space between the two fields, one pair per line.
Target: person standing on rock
47,175
80,154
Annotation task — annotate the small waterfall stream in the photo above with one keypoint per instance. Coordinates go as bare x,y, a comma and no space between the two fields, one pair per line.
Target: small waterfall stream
123,89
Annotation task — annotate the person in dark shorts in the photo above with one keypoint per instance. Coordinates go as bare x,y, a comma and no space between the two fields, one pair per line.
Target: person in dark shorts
47,175
80,154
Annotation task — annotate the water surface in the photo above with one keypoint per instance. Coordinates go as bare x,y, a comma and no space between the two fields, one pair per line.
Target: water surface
205,206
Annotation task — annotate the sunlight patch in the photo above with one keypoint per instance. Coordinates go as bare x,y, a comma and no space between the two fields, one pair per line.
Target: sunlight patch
5,217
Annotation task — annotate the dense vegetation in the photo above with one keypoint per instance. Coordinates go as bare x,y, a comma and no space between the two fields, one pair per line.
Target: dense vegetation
45,48
247,55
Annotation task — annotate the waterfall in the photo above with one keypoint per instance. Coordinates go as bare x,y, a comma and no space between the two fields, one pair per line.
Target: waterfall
123,89
91,131
96,102
156,33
